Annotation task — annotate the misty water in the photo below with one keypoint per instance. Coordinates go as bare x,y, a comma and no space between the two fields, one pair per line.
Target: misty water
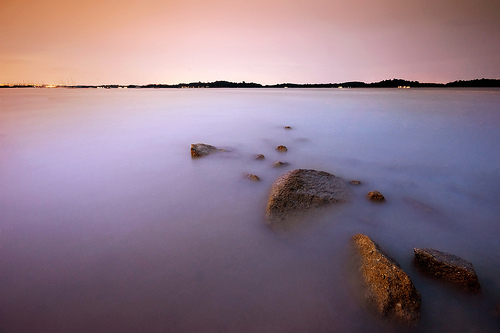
108,224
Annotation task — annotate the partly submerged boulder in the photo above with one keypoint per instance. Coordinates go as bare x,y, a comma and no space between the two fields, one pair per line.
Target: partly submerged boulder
253,177
448,267
260,157
375,196
279,164
302,189
282,149
202,149
388,288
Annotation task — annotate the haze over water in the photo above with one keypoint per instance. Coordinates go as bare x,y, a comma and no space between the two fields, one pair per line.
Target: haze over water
108,224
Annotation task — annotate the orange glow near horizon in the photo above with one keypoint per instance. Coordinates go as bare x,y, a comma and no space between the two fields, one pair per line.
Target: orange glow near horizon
153,41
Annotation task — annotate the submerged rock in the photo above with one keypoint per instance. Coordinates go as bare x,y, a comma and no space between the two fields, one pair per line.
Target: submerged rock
448,267
355,182
253,177
388,288
279,164
302,189
202,149
282,148
260,157
375,196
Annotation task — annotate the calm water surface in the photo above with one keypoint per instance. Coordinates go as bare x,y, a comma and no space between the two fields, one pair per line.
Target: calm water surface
107,224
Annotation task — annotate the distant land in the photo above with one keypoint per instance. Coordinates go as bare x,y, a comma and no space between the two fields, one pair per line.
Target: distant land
394,83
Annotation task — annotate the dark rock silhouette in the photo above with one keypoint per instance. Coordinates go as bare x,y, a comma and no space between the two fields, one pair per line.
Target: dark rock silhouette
388,288
449,268
300,190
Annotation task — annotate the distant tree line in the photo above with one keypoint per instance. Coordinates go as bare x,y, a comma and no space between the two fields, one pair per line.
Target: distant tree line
393,83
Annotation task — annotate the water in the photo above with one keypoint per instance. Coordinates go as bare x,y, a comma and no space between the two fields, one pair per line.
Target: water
107,224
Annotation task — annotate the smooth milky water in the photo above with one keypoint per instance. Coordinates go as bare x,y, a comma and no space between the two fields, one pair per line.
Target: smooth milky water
108,224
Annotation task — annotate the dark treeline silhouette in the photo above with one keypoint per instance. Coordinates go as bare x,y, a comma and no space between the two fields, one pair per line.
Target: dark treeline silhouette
479,83
393,83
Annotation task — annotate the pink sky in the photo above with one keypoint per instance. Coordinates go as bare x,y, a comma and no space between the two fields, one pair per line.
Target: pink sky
266,41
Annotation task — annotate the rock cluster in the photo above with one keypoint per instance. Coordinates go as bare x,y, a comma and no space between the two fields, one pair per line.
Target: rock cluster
448,267
388,288
302,189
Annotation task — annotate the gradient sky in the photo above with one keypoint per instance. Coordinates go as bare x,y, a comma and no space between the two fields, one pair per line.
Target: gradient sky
265,41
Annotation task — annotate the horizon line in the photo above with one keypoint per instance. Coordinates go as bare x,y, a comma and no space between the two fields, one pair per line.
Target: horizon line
209,84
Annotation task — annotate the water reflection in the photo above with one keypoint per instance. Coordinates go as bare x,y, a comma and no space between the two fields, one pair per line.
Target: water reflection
108,224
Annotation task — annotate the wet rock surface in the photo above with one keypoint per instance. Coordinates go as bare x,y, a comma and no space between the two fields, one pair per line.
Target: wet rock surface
282,148
448,267
388,288
375,196
299,190
202,149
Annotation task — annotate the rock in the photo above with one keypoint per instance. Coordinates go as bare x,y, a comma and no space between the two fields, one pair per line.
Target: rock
253,177
288,127
388,288
282,149
202,149
260,157
355,182
279,164
448,267
375,196
299,190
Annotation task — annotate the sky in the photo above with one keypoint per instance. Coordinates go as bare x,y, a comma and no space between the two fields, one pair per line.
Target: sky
265,41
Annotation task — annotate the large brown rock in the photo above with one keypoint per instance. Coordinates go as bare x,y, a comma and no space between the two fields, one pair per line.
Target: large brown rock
299,190
448,267
388,288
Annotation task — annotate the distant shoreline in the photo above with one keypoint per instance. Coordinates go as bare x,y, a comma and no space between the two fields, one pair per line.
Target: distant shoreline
394,83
